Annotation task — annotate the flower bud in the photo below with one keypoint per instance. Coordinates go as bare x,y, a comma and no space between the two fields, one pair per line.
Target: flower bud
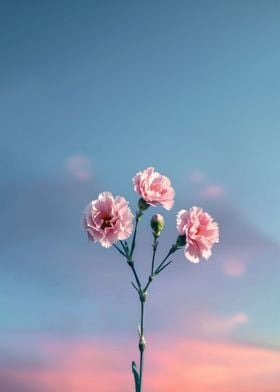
157,224
142,205
181,240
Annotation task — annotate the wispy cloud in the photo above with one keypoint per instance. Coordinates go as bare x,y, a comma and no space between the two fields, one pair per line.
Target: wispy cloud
80,167
234,268
213,191
197,176
214,325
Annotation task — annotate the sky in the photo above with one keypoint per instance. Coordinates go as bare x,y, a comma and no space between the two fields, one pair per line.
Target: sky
92,92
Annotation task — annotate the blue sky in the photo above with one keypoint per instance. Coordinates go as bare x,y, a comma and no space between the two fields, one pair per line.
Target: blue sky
91,92
183,86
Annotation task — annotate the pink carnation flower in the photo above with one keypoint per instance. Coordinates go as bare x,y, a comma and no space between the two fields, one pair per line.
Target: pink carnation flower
108,219
200,230
154,188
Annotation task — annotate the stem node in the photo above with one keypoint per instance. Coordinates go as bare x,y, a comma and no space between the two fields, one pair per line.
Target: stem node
142,344
143,295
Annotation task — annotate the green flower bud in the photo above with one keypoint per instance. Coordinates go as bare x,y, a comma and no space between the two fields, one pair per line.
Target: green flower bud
142,205
181,240
157,224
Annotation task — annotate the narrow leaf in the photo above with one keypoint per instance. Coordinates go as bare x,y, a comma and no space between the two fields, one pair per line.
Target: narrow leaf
133,284
136,377
162,268
119,250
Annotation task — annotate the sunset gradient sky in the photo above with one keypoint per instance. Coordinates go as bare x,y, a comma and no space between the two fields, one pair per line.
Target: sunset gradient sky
91,92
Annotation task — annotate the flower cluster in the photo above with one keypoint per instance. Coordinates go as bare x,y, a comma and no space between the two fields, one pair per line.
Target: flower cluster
108,219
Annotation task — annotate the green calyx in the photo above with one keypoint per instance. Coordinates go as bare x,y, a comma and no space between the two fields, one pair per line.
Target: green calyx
142,205
181,241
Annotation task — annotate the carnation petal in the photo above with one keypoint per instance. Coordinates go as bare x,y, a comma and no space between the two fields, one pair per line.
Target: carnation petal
107,219
201,232
191,255
154,188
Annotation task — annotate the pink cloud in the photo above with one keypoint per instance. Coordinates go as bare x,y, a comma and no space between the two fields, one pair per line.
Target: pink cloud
172,364
84,366
213,191
79,166
197,177
234,268
218,326
203,366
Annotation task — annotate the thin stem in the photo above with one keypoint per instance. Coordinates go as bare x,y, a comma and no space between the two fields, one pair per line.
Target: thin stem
135,287
148,284
163,267
134,234
155,244
131,264
124,248
141,345
119,250
156,271
160,267
164,260
141,370
130,254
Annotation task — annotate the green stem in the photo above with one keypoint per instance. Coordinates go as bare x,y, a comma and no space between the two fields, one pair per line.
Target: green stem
163,267
119,250
155,244
160,267
124,248
141,344
131,264
164,260
134,234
